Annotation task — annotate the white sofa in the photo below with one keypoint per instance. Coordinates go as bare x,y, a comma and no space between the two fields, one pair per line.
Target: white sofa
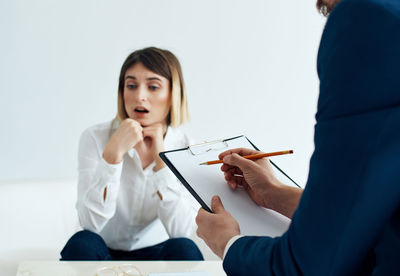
37,218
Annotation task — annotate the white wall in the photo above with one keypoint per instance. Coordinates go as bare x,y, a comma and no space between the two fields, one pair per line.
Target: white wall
250,68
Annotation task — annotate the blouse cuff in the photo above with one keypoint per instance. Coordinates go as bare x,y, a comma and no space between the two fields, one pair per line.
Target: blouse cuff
108,177
110,169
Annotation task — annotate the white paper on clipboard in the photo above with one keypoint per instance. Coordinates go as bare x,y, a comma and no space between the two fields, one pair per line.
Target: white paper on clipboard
203,182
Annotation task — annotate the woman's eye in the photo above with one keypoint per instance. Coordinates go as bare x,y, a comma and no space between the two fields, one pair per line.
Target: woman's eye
153,87
131,86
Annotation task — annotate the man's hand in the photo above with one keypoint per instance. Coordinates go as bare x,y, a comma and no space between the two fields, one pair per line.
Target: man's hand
217,228
257,177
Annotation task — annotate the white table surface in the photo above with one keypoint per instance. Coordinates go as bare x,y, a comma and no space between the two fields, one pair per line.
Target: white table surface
81,268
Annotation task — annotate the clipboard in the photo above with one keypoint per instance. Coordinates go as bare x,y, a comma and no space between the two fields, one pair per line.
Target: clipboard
203,182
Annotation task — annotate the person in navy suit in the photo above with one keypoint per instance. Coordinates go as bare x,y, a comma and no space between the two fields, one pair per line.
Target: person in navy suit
347,219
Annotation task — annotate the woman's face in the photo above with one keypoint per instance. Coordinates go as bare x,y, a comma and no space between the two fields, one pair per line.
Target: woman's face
146,95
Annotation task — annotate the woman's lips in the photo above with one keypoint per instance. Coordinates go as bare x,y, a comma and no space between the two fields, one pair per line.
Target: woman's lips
141,109
140,112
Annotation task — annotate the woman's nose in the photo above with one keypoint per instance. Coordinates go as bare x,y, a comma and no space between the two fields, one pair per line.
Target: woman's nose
141,93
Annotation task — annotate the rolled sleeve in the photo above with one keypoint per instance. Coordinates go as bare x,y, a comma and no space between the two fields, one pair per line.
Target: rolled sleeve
108,176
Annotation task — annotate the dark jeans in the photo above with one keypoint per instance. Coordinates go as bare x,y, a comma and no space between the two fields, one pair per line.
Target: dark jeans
86,245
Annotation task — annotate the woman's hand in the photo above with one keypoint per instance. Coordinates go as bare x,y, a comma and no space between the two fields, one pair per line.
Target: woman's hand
128,134
257,177
154,139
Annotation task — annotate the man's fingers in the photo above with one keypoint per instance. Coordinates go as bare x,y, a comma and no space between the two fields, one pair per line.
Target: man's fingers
235,171
225,167
198,233
238,161
236,181
231,169
241,181
200,215
216,205
240,151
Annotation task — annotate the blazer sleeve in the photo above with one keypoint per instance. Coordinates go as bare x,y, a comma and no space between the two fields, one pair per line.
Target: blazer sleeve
352,189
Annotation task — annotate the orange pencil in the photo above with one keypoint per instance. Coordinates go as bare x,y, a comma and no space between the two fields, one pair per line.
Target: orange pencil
253,156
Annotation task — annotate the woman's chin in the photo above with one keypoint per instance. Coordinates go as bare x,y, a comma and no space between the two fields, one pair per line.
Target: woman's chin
141,121
145,122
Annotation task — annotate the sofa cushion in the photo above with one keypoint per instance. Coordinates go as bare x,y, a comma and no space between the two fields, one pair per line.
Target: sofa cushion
38,218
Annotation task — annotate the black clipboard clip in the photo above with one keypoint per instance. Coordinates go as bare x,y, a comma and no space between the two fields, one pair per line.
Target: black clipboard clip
204,147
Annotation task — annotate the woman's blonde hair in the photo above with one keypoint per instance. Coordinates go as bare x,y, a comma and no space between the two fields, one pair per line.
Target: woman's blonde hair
163,63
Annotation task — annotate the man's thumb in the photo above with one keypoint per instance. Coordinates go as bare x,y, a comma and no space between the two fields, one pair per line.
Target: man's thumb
238,161
216,205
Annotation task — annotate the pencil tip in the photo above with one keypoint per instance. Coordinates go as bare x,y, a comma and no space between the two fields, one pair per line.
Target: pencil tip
202,163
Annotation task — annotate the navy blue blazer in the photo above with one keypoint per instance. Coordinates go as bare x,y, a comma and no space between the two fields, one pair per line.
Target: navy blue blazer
348,219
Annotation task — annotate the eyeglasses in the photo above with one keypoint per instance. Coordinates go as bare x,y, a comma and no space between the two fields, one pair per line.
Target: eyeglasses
119,270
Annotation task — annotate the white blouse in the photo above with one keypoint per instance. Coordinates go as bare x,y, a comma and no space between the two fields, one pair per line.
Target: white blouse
132,216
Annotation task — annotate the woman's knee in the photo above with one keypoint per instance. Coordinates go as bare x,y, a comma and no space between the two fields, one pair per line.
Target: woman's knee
85,245
88,236
181,242
183,249
85,239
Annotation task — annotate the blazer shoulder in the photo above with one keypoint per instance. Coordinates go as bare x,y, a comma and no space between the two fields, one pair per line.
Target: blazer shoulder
358,58
362,16
389,6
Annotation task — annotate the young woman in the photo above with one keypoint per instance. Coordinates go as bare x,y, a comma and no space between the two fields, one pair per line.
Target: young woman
130,205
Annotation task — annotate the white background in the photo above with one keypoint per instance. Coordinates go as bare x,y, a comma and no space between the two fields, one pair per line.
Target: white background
249,66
